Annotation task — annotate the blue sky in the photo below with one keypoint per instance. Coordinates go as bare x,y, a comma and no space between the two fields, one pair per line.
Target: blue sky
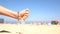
39,9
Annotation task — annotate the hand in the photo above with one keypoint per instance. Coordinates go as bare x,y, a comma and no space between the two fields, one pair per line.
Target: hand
23,15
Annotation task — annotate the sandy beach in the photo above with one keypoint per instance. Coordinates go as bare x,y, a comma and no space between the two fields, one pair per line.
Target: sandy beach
30,29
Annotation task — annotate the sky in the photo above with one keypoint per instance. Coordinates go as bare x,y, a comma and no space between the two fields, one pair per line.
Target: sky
39,9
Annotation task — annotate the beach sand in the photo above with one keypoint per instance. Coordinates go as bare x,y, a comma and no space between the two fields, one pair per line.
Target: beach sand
30,29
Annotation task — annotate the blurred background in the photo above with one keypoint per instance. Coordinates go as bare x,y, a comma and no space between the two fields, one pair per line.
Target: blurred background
41,11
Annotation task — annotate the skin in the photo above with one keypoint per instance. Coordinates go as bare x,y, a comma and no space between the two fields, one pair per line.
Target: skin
23,15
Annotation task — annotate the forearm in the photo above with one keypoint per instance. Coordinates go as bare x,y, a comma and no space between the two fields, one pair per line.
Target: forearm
7,12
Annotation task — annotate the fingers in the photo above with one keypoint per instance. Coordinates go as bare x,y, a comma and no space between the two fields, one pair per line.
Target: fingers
24,17
24,14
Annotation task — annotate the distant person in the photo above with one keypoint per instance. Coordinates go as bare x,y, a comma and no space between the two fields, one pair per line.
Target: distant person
55,22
